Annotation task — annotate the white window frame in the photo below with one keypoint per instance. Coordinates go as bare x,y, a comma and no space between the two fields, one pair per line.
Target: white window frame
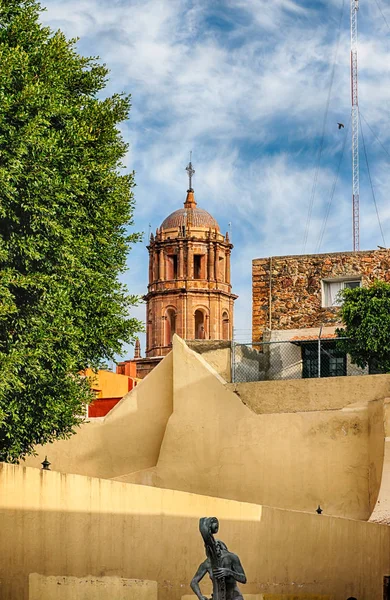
342,281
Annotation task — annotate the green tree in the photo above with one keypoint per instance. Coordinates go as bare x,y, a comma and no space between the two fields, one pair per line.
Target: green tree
365,313
65,209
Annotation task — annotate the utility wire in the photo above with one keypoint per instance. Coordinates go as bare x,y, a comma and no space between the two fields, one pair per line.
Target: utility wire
375,136
314,186
333,190
384,18
372,187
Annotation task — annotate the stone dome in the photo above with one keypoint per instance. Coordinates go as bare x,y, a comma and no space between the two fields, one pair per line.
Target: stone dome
196,216
191,214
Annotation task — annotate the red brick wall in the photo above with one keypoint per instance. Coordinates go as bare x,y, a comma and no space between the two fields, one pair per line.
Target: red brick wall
286,290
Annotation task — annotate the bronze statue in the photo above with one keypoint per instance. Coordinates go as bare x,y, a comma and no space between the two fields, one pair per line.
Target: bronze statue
223,567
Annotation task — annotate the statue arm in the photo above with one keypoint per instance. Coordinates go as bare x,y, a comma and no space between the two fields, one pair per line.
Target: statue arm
237,572
201,572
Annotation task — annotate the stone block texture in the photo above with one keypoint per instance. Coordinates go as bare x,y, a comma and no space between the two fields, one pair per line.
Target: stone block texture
287,290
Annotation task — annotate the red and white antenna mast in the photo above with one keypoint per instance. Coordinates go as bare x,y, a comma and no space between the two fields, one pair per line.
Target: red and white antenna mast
355,124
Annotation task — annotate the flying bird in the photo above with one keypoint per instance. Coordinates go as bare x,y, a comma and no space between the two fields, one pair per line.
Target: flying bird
341,125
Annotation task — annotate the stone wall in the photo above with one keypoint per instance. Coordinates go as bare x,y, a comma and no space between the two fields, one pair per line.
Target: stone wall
287,290
218,354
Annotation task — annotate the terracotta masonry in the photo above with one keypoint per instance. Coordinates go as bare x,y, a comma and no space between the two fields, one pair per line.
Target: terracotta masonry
296,292
189,291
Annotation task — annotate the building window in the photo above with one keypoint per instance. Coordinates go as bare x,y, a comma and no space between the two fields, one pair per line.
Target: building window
225,326
333,362
331,290
172,266
200,332
170,325
199,266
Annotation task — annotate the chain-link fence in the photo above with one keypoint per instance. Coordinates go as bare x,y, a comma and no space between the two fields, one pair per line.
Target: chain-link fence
299,359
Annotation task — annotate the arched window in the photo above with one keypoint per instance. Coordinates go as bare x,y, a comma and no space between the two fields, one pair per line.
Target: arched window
200,332
171,266
169,325
225,325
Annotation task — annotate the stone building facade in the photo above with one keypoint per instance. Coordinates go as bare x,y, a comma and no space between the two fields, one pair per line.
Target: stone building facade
295,312
300,292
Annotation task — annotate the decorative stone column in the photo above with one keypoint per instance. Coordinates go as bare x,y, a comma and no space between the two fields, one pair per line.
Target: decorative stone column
151,263
211,261
181,260
216,258
228,252
190,262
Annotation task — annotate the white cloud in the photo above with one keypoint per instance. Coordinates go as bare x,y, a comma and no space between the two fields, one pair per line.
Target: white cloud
249,101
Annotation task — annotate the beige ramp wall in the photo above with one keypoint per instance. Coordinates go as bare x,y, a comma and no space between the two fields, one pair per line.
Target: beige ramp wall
215,445
381,509
377,413
294,395
127,439
76,526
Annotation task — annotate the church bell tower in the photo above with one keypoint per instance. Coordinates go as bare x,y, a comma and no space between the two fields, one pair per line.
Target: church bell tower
189,291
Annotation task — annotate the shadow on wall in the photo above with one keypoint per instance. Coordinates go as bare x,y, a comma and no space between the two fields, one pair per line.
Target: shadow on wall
110,534
217,446
127,439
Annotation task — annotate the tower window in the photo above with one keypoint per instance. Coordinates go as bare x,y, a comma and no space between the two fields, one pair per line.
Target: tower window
225,326
170,325
172,266
199,266
200,332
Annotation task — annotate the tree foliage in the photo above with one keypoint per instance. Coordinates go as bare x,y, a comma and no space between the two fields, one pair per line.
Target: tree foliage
65,208
366,314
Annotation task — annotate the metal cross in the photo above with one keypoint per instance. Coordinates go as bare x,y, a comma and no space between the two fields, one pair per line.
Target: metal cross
190,171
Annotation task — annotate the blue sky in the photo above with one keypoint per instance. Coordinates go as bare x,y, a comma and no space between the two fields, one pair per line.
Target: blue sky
244,84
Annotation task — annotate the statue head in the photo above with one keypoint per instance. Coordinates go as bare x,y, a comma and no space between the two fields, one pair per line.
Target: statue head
214,525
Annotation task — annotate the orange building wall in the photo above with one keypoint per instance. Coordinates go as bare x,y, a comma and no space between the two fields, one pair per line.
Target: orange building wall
109,388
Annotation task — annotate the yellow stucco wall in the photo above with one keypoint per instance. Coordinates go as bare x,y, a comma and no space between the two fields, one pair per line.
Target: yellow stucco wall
127,439
381,511
42,587
72,525
216,445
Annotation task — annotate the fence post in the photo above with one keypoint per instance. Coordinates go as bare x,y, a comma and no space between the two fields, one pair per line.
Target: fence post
319,352
233,361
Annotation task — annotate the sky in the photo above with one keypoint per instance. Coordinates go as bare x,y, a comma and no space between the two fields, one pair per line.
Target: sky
255,89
